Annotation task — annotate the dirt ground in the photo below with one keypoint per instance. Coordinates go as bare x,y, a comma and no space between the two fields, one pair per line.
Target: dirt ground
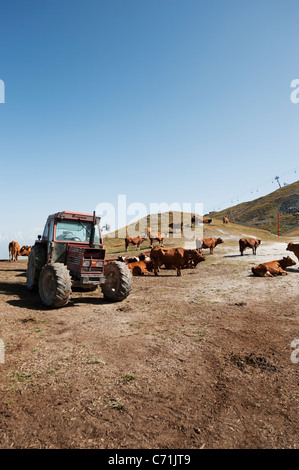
197,361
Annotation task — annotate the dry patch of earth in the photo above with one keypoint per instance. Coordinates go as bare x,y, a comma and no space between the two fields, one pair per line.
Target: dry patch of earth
197,361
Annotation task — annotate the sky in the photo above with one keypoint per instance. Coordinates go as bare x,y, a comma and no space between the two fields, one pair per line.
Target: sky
160,101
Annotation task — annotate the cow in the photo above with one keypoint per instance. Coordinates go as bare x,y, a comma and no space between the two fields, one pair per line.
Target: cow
25,250
134,241
294,247
145,256
210,243
14,251
138,268
176,258
160,237
249,243
207,221
128,260
225,220
273,268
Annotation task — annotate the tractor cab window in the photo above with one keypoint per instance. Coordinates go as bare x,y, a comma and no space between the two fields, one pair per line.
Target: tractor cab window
46,232
75,231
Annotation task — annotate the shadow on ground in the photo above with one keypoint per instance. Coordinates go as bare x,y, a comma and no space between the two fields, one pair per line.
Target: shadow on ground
31,300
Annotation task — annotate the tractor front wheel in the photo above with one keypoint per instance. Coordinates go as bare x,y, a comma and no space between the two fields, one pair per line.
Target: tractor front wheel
37,259
55,285
118,283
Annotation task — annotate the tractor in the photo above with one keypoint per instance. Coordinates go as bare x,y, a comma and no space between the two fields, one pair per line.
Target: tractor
71,253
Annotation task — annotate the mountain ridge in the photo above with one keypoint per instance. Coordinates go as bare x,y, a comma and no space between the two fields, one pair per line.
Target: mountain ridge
262,212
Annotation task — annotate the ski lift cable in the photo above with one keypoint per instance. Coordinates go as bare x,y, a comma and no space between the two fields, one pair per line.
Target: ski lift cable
257,187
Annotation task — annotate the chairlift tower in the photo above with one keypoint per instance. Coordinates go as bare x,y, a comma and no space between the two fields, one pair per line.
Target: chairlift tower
277,179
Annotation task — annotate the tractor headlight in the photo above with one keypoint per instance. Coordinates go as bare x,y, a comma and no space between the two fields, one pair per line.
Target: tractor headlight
99,263
86,262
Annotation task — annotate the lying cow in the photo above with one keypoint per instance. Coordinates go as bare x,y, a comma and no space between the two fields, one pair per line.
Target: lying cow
176,258
210,243
207,221
134,241
138,268
14,251
128,260
294,247
249,243
25,250
273,268
138,265
159,237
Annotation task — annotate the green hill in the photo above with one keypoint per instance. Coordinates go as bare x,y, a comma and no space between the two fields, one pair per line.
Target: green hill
262,212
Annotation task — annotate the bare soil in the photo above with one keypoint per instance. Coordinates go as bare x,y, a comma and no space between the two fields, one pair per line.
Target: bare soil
197,361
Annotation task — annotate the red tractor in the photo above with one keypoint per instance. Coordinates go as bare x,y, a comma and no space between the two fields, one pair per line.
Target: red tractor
71,252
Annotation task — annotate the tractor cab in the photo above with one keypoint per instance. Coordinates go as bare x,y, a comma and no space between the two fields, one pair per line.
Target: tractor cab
75,239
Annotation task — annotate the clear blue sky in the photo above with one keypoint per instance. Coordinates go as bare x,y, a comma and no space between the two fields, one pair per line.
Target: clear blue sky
161,100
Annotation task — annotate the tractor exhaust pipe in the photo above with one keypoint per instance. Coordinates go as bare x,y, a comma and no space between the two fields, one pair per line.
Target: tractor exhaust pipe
91,241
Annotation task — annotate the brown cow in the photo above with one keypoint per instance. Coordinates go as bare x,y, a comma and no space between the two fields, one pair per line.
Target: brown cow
176,258
25,250
14,251
249,243
273,268
160,237
134,241
138,268
207,221
294,247
210,243
225,220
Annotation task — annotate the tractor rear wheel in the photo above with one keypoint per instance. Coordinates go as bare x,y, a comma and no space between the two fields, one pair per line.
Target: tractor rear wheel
118,283
55,285
37,259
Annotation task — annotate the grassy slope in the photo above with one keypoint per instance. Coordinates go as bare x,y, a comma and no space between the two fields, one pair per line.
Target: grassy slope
230,233
262,212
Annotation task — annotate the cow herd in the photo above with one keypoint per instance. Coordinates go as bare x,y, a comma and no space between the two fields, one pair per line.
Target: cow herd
180,258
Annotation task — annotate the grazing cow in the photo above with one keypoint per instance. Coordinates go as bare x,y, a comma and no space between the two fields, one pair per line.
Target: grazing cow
225,220
294,247
134,241
176,258
273,268
160,237
207,221
249,243
14,251
25,250
210,243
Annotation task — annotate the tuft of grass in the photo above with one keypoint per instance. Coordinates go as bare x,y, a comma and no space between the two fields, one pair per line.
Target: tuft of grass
116,404
128,378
